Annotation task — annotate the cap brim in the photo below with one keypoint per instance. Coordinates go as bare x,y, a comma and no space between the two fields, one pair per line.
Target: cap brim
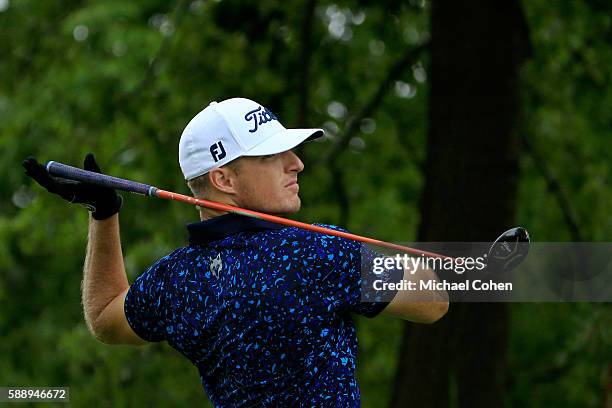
284,140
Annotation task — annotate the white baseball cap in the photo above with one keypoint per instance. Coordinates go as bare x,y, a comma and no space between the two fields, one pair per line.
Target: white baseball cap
233,128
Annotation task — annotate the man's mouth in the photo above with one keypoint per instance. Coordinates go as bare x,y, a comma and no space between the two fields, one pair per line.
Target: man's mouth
293,186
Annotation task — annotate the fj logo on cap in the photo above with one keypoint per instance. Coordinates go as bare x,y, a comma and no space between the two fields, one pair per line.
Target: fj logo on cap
259,116
217,151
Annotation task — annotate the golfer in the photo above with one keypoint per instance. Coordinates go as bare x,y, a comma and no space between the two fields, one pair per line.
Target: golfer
262,310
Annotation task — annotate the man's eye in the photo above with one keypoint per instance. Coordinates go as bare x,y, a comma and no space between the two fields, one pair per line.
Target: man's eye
269,156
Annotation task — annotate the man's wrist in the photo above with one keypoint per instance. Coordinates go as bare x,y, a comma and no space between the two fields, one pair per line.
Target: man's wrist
106,220
107,210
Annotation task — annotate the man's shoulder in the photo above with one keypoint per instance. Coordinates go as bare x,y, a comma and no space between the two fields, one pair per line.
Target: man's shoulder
302,234
328,238
331,226
315,242
178,254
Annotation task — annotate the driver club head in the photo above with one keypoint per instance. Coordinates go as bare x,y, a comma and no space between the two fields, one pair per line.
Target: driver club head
508,250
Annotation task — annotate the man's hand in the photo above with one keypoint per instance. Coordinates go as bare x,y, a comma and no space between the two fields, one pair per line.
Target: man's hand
103,202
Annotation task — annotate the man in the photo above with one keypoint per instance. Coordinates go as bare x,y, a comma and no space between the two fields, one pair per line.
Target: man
263,311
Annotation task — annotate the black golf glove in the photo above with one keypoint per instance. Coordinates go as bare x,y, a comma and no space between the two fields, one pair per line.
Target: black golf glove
103,202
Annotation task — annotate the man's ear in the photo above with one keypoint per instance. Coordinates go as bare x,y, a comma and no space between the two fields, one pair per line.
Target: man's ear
223,179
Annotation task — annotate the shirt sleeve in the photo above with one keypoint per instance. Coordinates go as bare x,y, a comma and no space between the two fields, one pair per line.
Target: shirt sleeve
347,283
144,304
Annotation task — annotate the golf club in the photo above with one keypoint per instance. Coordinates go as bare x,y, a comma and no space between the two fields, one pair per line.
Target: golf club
508,250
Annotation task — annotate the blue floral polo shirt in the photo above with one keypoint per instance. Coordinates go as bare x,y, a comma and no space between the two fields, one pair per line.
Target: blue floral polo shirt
262,310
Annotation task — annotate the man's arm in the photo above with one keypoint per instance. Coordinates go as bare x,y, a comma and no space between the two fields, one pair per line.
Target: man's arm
419,306
105,284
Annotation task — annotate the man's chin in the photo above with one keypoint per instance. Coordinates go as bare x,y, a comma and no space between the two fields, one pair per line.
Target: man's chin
290,209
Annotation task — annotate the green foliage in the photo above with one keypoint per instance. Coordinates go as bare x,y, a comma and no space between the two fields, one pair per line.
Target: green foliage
566,118
122,79
567,364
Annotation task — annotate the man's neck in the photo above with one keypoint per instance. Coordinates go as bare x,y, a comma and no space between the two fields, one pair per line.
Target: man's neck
207,213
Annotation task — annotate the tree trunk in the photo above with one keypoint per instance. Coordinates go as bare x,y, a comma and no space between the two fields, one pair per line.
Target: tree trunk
470,195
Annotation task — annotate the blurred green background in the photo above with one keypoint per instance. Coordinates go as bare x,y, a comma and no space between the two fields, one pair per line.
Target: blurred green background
122,79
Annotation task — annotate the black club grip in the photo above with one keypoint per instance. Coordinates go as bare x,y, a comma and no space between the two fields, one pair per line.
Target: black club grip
74,173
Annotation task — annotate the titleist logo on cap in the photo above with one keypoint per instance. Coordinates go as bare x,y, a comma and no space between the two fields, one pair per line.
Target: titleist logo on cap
259,116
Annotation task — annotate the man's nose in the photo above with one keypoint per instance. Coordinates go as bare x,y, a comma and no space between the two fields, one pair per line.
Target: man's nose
293,161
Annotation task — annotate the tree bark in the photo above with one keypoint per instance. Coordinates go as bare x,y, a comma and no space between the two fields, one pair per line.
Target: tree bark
471,174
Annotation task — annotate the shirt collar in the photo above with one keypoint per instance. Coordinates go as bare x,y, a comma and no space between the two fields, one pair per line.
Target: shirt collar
217,228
